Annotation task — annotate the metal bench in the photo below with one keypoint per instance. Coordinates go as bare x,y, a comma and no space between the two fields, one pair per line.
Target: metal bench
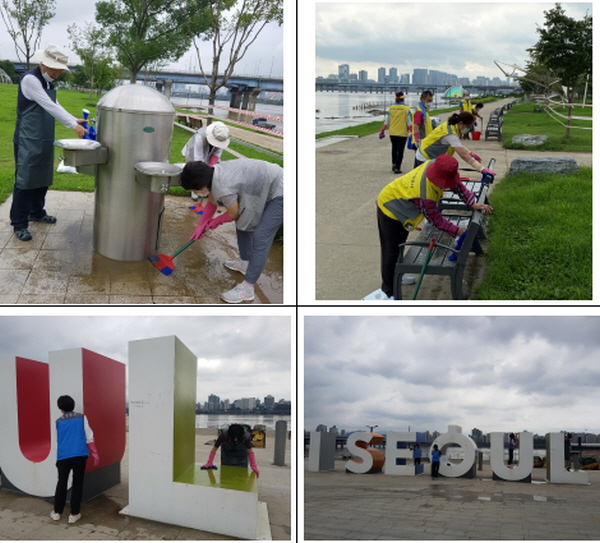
413,254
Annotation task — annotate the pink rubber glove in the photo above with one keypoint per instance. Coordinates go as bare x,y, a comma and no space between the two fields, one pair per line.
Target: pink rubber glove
213,160
211,459
488,172
207,214
94,453
476,157
253,465
218,221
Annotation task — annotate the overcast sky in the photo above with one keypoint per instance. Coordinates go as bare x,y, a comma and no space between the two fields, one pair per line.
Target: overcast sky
264,57
238,357
459,38
509,374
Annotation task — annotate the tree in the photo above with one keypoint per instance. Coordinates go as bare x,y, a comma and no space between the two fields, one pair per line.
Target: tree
145,32
25,20
234,24
9,69
565,48
97,69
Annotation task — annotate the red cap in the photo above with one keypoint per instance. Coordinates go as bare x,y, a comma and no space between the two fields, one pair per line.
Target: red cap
443,172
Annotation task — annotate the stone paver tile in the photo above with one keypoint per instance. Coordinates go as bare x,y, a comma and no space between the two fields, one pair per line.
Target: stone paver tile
44,282
17,258
12,281
128,299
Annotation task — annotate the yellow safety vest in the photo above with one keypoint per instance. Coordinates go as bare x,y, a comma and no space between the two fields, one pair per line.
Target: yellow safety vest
395,198
427,125
467,106
432,147
397,116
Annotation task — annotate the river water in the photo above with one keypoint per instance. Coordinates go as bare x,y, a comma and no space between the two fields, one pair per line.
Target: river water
219,420
183,102
337,110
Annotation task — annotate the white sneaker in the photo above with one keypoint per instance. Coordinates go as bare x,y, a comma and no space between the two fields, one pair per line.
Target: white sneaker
408,280
74,518
54,515
244,292
237,265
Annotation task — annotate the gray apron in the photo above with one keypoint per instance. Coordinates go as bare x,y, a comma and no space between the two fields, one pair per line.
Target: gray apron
34,145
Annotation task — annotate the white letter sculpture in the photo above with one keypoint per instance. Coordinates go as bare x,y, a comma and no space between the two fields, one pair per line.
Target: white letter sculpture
520,472
321,454
398,452
555,462
165,483
28,393
467,463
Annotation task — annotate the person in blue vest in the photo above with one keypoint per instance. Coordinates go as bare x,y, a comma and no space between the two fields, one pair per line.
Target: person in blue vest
33,140
435,462
75,443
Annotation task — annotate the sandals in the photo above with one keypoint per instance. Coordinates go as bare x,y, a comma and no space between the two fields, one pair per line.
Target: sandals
46,218
23,234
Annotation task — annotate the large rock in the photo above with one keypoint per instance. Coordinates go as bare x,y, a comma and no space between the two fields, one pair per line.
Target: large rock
561,165
529,140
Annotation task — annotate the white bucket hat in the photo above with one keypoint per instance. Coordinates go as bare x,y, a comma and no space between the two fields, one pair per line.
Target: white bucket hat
52,57
217,135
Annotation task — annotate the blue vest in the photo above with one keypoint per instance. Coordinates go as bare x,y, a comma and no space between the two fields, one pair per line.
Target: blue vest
70,432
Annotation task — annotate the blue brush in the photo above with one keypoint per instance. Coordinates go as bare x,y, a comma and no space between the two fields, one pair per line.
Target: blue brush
458,247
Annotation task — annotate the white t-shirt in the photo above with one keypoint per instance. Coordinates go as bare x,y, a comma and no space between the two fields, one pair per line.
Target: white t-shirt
32,89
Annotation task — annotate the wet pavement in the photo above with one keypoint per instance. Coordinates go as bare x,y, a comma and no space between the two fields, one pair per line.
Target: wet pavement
59,266
348,506
27,518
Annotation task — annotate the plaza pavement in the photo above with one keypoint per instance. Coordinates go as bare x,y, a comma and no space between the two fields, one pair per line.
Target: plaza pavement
59,265
348,506
27,518
349,175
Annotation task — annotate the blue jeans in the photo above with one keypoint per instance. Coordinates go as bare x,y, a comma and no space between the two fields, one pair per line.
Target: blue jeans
255,246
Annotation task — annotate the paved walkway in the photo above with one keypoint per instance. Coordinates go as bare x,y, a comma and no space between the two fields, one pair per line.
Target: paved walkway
59,266
27,518
349,175
344,506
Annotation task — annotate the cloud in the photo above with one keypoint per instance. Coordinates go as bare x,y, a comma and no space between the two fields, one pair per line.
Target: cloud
452,37
428,372
238,356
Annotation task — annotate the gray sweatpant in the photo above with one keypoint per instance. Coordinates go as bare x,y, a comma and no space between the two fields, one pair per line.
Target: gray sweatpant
255,246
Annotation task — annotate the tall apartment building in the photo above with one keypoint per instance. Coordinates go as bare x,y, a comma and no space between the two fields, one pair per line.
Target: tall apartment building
343,71
420,76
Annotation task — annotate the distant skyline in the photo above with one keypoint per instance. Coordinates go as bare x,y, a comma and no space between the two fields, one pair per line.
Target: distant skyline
460,38
501,373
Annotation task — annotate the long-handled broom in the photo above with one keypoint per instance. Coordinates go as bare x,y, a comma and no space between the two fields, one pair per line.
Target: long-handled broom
427,259
164,263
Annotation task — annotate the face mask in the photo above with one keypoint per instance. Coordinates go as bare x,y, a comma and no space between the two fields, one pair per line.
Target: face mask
47,77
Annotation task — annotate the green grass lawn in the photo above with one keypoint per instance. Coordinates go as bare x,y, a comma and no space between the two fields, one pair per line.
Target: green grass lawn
540,236
74,102
521,119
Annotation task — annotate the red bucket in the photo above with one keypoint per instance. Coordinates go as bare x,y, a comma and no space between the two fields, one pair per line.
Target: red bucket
476,135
